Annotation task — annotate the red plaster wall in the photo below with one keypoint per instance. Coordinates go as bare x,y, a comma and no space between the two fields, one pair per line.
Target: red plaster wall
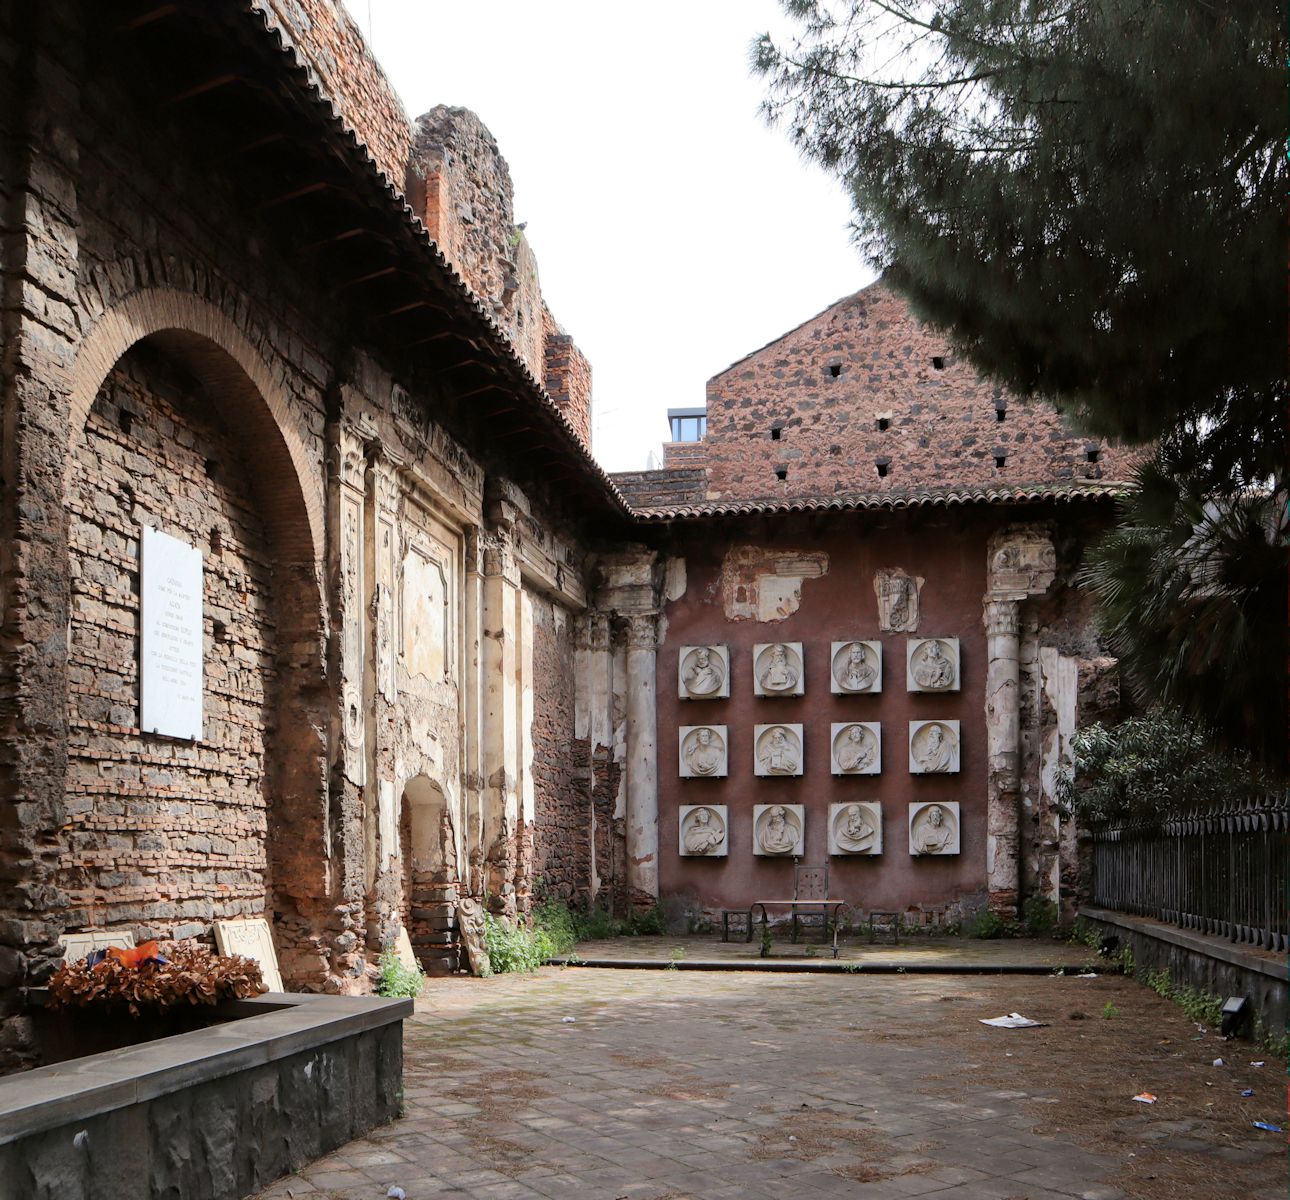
950,552
943,427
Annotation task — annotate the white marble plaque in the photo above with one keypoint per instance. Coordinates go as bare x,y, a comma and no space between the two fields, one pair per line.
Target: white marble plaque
856,748
779,830
933,747
77,945
170,619
932,664
703,831
934,828
403,949
855,828
778,669
703,673
251,939
703,750
777,750
855,668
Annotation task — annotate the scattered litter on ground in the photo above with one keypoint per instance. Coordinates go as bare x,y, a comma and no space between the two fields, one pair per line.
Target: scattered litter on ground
1011,1021
567,1020
1256,1064
1145,1098
1218,1062
1247,1091
396,1193
1267,1126
1088,975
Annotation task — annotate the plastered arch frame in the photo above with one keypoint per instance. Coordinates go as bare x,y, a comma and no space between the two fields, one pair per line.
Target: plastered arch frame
226,361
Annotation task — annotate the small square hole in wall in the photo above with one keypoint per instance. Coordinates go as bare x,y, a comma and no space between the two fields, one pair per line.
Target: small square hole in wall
1000,412
217,541
219,632
881,464
1000,461
938,362
835,369
781,473
212,468
776,432
125,420
884,423
1092,455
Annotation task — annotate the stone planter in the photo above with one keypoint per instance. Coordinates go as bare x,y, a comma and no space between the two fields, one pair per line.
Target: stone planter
212,1114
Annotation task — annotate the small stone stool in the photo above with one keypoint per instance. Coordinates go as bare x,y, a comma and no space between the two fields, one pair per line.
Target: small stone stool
882,922
742,920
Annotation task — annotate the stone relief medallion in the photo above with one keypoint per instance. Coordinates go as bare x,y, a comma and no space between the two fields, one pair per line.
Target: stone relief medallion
703,673
934,828
932,664
703,752
703,831
856,668
777,750
855,828
779,830
777,669
933,747
897,600
856,748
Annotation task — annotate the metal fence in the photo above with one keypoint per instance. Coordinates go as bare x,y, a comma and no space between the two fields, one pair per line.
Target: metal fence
1224,871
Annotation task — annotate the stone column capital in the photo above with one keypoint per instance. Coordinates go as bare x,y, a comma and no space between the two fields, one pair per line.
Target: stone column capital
1002,616
593,630
642,631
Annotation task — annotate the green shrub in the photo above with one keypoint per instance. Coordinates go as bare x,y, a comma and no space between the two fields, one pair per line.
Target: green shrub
1039,916
560,924
645,924
1150,768
988,925
397,980
514,947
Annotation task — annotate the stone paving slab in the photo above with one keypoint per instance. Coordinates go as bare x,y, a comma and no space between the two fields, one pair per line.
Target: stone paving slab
669,1085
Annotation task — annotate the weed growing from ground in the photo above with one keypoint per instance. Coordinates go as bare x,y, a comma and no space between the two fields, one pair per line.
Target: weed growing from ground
399,981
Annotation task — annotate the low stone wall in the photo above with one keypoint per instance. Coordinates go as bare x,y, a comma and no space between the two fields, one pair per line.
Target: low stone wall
210,1115
1210,964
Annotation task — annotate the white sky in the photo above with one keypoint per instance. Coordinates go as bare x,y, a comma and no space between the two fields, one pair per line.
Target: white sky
674,231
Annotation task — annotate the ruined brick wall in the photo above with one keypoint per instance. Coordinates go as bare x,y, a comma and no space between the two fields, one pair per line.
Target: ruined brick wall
561,848
165,835
680,456
469,210
864,398
661,489
329,39
567,375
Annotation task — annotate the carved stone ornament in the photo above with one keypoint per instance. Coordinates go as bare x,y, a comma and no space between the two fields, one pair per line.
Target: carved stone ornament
855,668
855,828
703,831
703,673
704,752
897,600
470,929
777,750
779,830
934,828
856,747
933,747
778,669
1022,562
932,664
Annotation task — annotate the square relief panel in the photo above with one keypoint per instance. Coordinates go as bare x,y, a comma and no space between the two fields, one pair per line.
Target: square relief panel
855,828
778,669
934,828
932,664
703,831
703,752
856,748
779,830
777,750
703,673
933,747
855,668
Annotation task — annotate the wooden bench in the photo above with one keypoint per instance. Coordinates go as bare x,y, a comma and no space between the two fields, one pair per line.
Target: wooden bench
810,899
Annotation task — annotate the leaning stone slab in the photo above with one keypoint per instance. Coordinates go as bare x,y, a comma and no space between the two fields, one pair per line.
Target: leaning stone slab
251,939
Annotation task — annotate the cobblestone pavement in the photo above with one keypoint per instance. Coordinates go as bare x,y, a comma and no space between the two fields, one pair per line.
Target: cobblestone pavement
671,1085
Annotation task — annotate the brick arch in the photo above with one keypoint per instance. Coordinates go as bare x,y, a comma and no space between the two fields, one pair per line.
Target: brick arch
234,372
